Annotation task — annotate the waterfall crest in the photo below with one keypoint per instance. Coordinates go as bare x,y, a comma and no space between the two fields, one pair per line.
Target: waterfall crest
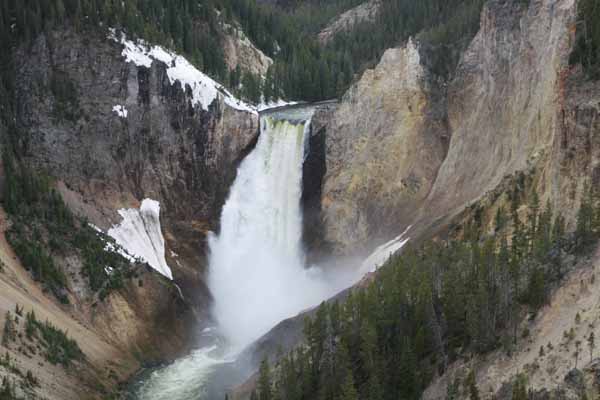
257,273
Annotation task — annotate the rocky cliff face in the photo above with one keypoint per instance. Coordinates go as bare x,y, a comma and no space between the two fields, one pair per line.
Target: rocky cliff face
503,103
112,133
240,51
366,12
574,158
165,149
313,173
384,145
403,149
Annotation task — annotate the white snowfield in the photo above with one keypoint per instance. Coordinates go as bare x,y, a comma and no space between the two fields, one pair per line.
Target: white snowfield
140,235
204,89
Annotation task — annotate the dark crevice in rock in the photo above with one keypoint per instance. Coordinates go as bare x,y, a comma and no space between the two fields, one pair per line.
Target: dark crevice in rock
313,173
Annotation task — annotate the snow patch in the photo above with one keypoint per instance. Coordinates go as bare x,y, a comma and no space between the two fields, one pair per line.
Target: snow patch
120,110
204,89
136,53
121,251
94,227
108,246
140,235
382,253
414,69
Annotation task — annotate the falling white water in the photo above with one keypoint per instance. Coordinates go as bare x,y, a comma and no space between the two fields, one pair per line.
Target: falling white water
257,274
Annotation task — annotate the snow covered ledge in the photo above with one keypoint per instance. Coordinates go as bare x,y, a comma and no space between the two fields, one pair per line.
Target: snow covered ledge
140,235
204,89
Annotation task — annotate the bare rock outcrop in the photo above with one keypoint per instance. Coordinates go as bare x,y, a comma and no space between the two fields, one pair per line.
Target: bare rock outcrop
503,104
384,145
366,12
240,51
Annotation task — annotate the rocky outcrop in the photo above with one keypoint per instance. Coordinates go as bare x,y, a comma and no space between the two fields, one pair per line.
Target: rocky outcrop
366,12
574,159
514,108
503,104
384,145
240,51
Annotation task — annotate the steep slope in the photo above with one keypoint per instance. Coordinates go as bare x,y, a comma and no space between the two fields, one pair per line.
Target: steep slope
365,12
504,103
164,148
548,330
240,52
508,108
515,108
384,145
107,359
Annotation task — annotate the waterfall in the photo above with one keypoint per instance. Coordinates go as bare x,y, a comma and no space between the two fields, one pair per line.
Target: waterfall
257,274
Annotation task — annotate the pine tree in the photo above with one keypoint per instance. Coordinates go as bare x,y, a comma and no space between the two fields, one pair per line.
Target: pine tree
9,333
407,371
577,351
452,391
585,216
533,220
347,390
500,220
536,291
268,87
519,391
543,238
374,389
368,343
7,390
591,344
472,386
264,381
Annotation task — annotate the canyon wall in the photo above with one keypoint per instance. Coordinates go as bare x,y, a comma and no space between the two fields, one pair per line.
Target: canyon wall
164,148
504,101
405,148
384,146
112,132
